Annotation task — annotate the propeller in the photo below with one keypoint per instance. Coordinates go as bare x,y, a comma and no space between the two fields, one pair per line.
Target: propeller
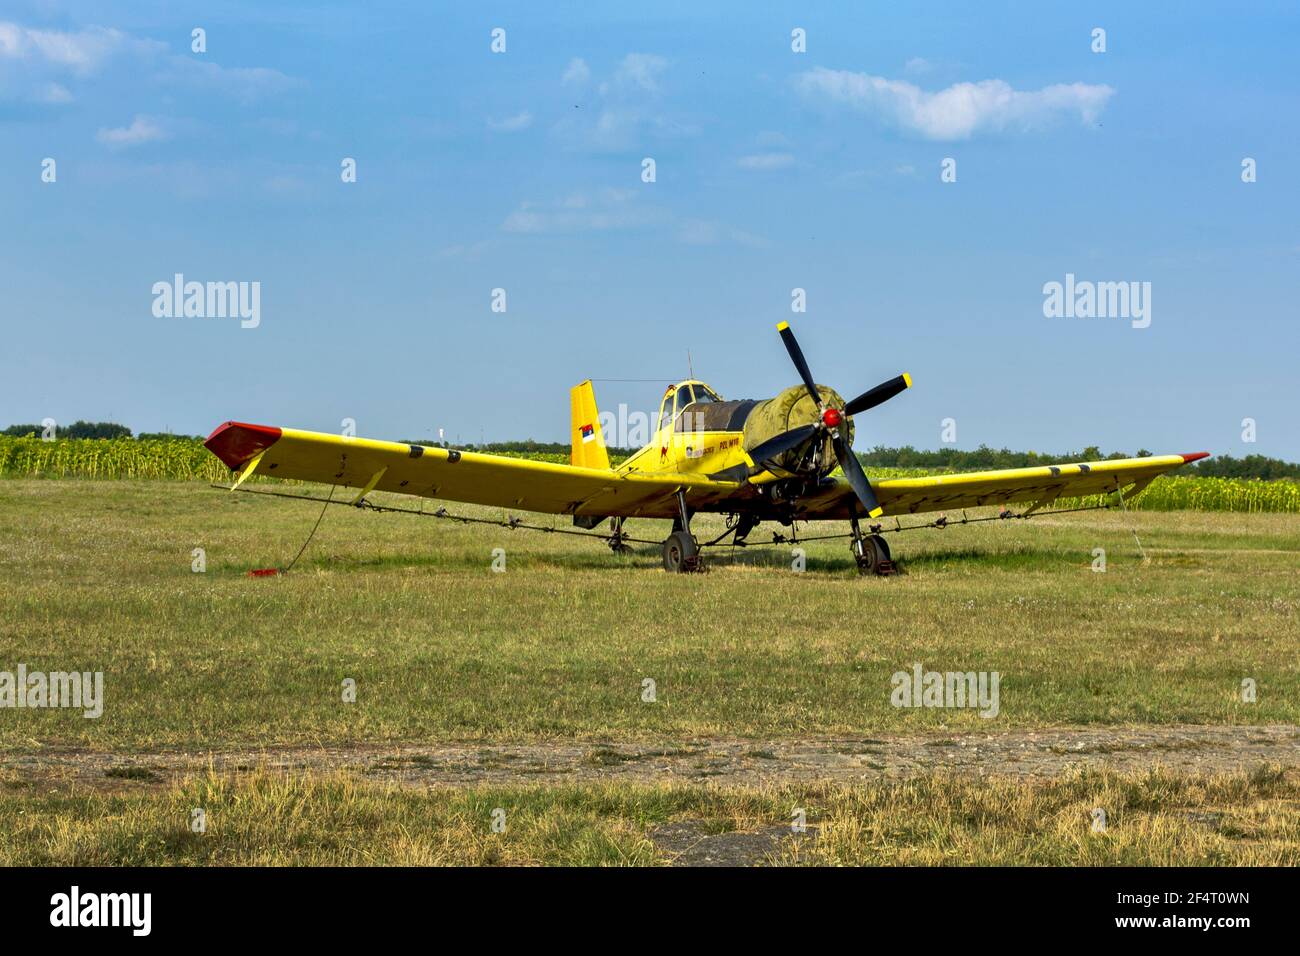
878,395
856,476
796,356
831,419
775,447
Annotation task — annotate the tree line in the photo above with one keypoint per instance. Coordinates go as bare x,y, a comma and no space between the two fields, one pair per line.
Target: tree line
985,458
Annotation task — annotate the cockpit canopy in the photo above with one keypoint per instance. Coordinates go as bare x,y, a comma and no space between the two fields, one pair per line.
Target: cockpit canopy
679,396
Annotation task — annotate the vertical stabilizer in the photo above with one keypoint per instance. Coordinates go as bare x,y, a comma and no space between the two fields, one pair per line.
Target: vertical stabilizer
584,421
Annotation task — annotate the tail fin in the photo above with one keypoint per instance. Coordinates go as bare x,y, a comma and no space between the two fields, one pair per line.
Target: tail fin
584,420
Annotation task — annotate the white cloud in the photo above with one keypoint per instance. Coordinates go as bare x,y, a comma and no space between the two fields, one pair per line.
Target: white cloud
617,113
641,70
704,232
33,58
960,110
576,73
766,161
610,210
82,52
605,210
917,64
141,130
54,93
244,83
468,251
512,124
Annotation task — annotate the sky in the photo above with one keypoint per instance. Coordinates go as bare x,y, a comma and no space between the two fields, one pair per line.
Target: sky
775,169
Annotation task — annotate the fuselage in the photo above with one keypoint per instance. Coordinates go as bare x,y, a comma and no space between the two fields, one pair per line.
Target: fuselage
697,432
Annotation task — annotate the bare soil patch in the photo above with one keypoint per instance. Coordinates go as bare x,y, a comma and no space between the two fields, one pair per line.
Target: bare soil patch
1020,753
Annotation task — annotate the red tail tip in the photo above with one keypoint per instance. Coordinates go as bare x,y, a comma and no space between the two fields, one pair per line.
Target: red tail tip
1196,456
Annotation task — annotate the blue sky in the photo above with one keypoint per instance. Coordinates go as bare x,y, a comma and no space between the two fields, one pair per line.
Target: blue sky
775,170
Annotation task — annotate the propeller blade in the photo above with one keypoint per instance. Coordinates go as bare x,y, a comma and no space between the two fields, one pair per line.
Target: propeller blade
878,395
856,476
796,356
779,445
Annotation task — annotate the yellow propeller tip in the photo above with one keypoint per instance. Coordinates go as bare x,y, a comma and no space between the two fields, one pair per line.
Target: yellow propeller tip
876,513
907,377
782,326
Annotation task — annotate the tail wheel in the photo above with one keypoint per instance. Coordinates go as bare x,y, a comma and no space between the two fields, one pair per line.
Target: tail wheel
681,553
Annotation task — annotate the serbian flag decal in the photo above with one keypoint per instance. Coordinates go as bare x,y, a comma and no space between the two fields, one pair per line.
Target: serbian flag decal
588,433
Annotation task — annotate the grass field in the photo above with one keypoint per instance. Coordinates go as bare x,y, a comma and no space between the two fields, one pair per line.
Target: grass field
97,577
1152,819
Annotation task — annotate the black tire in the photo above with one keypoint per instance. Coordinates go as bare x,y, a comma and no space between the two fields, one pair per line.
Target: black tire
681,554
875,555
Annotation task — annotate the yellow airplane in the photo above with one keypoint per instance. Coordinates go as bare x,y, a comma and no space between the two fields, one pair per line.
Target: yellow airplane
754,461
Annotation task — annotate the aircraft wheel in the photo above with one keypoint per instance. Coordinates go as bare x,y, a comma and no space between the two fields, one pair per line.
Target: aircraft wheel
681,554
874,557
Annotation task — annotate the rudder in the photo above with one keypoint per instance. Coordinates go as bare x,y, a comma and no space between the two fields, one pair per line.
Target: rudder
584,421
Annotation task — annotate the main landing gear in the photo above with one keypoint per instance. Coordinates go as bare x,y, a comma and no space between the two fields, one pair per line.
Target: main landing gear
870,552
681,550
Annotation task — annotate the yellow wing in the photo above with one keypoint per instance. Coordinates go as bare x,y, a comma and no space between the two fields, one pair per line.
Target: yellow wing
465,476
1040,486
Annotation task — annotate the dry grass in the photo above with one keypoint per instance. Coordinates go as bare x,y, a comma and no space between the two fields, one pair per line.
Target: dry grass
1154,818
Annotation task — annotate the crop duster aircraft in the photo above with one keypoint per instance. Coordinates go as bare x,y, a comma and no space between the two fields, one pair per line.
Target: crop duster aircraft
769,460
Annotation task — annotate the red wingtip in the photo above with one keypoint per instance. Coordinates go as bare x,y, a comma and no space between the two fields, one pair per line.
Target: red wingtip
1196,456
236,442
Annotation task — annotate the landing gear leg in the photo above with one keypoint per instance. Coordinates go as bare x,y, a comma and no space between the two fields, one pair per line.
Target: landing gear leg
681,550
616,536
870,552
745,523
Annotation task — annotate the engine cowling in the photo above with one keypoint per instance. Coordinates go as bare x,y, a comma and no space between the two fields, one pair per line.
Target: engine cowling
788,410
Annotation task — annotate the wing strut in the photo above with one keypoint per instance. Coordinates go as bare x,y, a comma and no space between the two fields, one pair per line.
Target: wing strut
249,469
370,485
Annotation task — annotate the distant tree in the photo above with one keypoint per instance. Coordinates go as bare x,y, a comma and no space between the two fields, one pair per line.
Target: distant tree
77,429
22,431
952,459
1252,466
81,429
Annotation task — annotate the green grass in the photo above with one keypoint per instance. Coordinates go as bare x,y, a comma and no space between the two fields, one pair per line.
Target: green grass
97,577
1153,818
